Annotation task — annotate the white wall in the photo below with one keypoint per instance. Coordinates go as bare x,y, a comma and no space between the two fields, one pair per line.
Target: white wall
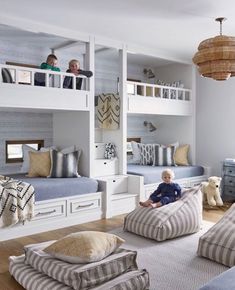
175,72
23,126
215,133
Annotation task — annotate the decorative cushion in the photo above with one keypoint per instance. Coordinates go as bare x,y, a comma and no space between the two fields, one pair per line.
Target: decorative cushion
64,165
84,247
218,243
26,149
146,154
181,217
181,155
6,76
163,156
109,152
25,165
40,164
136,152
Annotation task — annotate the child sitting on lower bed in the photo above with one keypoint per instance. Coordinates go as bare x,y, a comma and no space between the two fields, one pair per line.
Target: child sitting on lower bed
166,192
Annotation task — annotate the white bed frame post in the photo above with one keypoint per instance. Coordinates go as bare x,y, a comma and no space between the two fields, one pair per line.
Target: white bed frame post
90,86
123,109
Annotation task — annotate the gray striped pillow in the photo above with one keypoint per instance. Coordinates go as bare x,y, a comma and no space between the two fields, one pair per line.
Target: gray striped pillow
172,220
163,155
64,165
217,243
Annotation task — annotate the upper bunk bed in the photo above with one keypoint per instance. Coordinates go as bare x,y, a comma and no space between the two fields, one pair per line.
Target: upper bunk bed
19,90
145,98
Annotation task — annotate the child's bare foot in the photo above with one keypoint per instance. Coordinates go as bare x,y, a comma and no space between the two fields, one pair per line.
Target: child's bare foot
145,203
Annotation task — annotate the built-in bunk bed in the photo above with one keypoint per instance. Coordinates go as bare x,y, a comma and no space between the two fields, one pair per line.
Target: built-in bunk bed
166,110
59,202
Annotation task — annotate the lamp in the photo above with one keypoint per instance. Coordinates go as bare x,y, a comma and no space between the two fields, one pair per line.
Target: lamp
216,56
150,126
149,73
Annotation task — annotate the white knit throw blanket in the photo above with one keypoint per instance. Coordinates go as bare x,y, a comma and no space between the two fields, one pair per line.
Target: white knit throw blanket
16,202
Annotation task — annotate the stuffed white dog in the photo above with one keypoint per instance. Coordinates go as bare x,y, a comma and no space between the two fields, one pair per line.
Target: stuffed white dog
211,191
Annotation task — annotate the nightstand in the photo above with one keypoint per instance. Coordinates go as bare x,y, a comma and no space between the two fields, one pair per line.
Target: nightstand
228,180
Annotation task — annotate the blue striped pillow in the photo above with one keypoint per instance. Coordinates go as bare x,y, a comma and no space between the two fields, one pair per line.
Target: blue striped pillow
64,164
163,155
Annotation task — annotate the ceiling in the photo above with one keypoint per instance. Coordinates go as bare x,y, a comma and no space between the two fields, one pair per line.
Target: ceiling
172,28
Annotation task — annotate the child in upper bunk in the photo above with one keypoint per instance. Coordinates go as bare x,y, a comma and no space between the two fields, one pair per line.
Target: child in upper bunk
167,191
50,64
74,67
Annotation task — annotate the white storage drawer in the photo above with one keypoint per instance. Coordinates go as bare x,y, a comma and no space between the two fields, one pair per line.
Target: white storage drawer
81,204
50,210
104,167
123,203
118,185
99,150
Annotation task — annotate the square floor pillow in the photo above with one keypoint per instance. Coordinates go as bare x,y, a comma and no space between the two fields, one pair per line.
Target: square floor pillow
179,218
218,243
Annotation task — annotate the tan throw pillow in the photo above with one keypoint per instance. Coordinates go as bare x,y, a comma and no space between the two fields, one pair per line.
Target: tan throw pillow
39,164
181,155
84,247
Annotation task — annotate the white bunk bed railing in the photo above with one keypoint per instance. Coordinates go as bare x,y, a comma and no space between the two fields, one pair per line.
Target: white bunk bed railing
143,98
158,91
18,90
21,75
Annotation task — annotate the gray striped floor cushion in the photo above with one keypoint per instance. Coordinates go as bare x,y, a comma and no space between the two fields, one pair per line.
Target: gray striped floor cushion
80,276
32,279
172,220
218,243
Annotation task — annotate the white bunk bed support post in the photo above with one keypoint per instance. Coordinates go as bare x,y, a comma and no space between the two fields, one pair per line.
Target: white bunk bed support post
89,62
123,108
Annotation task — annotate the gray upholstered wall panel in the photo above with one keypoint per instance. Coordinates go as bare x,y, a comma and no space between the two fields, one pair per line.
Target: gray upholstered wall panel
23,126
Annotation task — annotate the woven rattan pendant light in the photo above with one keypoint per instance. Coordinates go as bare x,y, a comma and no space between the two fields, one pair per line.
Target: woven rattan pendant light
216,56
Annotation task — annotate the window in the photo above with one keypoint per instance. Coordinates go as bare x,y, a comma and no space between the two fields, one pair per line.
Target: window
14,152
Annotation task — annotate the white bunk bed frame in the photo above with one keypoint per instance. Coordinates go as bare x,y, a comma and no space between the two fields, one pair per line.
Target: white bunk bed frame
29,96
160,100
57,213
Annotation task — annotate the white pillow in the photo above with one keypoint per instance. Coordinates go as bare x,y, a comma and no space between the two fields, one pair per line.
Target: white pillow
136,152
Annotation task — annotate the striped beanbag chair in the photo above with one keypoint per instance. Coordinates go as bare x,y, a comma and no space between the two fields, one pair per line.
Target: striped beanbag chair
218,243
167,222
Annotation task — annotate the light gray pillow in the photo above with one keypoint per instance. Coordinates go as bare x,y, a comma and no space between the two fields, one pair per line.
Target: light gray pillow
136,153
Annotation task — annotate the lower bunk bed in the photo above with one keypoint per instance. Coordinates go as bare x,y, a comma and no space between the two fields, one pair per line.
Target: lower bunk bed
59,202
185,176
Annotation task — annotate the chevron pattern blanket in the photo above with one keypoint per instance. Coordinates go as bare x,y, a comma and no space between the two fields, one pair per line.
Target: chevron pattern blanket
108,111
16,202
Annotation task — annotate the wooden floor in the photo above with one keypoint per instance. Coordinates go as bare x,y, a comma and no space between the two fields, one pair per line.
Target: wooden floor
15,247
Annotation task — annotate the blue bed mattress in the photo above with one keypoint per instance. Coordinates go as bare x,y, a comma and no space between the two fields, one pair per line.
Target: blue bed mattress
152,174
49,188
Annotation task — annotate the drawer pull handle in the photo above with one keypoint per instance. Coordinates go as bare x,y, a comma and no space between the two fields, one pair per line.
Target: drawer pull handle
46,212
85,205
96,146
230,181
114,180
230,171
105,163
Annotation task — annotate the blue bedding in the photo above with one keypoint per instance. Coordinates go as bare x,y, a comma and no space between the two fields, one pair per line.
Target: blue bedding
152,174
49,188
